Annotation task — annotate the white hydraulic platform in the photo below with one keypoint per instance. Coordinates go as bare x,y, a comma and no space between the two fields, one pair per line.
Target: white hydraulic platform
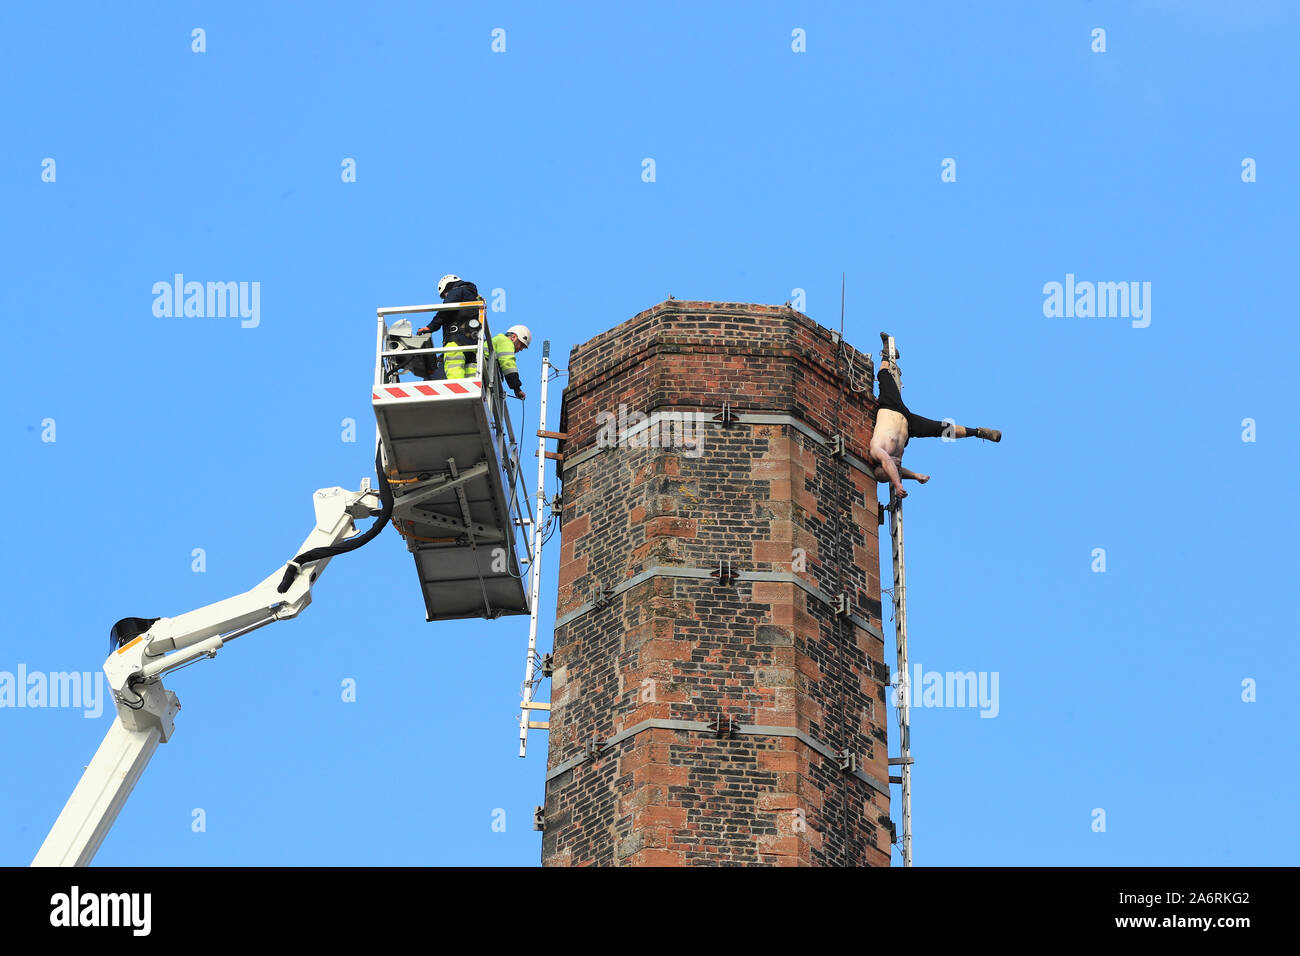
450,455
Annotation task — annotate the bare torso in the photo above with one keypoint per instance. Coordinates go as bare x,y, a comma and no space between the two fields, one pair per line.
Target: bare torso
888,439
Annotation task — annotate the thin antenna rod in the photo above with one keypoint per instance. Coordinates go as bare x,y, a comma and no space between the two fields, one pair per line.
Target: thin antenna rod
841,306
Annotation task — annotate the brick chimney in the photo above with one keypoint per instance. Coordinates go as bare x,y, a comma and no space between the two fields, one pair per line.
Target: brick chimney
718,693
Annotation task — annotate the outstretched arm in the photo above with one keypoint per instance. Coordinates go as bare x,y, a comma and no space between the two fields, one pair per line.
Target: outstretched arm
889,466
505,352
907,473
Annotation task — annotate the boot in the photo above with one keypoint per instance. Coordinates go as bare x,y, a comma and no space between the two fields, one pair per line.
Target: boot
988,434
884,347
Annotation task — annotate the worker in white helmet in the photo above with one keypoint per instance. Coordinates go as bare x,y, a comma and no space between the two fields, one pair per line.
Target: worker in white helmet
505,345
459,326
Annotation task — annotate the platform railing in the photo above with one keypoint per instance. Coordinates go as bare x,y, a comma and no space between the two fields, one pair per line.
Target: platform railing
483,337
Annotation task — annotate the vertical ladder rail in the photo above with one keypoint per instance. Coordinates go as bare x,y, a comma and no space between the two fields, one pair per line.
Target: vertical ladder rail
904,759
530,664
905,691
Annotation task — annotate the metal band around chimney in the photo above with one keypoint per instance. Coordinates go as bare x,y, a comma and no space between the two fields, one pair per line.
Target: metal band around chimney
754,418
778,577
755,730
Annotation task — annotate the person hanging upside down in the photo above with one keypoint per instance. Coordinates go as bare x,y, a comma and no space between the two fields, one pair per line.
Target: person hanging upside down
896,424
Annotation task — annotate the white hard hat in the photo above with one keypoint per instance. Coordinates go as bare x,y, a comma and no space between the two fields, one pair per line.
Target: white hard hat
521,333
445,281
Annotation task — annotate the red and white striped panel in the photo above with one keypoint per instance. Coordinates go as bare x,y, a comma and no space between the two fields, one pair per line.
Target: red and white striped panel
443,388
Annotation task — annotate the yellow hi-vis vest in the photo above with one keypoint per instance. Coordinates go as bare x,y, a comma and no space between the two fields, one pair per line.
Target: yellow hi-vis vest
505,353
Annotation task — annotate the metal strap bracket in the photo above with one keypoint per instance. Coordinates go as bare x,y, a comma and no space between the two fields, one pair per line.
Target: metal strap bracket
726,417
674,571
757,730
723,726
726,572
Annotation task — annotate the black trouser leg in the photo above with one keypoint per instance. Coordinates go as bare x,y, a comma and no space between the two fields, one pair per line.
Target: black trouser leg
890,398
920,427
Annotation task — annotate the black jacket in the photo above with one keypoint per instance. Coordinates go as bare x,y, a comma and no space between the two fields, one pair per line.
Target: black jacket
459,323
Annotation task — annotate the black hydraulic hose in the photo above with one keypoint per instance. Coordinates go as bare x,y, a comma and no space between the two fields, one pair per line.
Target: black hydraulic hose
315,554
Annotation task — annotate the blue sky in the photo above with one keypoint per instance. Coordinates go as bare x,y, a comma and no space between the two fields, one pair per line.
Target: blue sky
775,171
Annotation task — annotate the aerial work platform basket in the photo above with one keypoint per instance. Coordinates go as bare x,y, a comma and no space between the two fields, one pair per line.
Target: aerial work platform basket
450,455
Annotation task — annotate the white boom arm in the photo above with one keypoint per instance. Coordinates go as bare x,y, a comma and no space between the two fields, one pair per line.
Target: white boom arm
145,709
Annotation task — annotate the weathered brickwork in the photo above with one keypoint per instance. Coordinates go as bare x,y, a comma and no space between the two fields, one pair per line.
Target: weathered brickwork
682,646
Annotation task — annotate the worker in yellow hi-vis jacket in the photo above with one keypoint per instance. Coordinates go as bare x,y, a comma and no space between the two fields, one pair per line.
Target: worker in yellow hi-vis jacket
504,346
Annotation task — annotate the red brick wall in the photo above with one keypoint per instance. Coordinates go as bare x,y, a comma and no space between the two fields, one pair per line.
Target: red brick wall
693,649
